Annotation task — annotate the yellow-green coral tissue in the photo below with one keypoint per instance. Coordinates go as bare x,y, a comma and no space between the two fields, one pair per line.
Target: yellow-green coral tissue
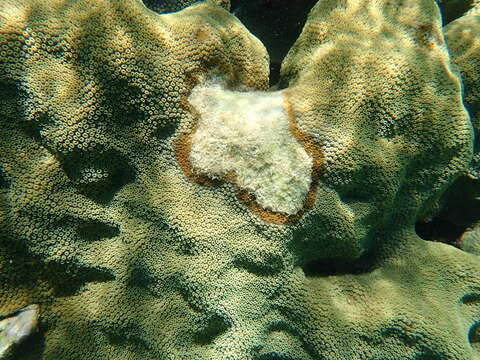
239,180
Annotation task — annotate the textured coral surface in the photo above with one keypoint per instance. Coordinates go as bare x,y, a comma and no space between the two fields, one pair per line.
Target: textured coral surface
463,36
133,248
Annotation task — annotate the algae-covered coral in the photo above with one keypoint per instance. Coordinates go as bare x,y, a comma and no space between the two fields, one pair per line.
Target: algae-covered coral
125,218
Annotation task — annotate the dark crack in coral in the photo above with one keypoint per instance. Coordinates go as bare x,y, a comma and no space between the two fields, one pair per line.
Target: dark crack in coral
453,9
459,212
277,23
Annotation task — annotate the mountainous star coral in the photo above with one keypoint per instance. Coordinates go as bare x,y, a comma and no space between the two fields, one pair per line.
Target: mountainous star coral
158,200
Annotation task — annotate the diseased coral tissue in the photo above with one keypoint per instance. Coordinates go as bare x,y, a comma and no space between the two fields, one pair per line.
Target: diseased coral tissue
159,201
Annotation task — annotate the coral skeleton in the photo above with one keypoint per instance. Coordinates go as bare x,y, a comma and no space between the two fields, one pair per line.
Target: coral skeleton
248,134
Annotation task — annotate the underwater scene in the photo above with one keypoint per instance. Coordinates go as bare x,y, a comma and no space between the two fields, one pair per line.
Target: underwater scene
239,180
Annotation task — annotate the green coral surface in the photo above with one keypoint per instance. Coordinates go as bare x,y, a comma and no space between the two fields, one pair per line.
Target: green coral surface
127,249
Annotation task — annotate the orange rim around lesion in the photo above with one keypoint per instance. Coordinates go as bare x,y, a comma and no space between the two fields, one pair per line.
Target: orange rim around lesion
184,145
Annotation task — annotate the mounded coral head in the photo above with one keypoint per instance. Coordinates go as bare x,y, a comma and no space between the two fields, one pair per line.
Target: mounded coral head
154,213
391,137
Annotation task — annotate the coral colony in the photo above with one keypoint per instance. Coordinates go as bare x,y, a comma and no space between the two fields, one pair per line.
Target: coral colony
160,198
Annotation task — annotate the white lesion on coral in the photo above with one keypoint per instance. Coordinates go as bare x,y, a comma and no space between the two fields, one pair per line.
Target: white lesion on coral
248,134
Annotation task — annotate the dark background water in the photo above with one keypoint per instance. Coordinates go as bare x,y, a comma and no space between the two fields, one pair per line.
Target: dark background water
277,23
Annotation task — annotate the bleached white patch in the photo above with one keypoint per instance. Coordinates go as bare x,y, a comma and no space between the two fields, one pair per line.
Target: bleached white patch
248,134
